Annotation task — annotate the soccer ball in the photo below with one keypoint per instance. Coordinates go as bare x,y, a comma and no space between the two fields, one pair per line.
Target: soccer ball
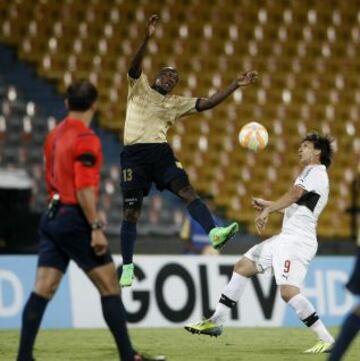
253,136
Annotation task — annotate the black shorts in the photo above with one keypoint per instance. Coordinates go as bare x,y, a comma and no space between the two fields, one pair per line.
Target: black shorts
144,164
68,237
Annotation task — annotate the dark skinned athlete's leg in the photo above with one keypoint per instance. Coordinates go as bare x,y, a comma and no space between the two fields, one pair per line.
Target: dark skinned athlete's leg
131,214
196,207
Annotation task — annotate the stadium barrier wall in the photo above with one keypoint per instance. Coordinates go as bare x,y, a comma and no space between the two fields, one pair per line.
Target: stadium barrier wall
171,291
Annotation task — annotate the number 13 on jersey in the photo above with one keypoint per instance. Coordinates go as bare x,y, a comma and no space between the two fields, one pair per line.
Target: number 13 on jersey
127,174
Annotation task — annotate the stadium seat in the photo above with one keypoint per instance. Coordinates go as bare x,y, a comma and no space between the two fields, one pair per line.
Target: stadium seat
306,53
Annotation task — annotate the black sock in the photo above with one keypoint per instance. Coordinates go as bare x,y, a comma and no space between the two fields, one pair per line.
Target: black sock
354,285
31,319
127,237
349,329
114,315
200,212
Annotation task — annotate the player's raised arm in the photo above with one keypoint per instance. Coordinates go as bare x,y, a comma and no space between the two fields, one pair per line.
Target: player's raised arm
259,204
290,197
135,66
245,79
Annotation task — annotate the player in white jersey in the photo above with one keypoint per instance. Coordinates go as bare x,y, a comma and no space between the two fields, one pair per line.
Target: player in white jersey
289,253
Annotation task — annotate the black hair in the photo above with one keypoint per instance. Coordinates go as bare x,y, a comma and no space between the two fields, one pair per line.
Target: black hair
324,143
81,95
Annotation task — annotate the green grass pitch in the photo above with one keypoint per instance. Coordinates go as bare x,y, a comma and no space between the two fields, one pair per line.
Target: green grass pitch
245,344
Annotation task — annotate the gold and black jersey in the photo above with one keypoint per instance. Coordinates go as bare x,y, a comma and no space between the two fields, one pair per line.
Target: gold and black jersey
150,114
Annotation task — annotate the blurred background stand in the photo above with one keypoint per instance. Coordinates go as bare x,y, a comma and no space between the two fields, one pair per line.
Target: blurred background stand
18,225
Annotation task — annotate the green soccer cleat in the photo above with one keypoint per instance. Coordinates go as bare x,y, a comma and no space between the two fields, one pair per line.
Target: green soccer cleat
205,327
220,235
127,275
320,347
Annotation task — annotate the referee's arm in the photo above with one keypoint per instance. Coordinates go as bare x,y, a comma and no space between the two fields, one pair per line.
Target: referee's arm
87,178
87,199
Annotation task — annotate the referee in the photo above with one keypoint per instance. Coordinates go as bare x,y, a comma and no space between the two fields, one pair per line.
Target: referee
71,228
147,157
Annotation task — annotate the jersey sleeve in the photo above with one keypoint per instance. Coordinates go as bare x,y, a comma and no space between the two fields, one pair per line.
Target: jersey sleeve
48,163
137,84
309,180
88,159
185,106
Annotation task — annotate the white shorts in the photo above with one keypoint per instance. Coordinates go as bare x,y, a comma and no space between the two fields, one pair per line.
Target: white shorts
288,256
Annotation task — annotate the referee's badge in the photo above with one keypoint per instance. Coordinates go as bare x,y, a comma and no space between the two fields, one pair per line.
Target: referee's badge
179,165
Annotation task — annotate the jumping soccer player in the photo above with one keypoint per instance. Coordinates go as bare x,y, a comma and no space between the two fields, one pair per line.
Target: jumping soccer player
290,252
147,157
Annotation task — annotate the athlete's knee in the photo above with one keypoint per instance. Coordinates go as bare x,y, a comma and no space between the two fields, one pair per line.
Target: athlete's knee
47,281
109,286
105,279
132,214
132,205
288,292
46,287
245,267
183,189
187,193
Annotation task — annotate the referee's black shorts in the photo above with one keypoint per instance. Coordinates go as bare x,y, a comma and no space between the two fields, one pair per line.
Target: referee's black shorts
146,163
68,237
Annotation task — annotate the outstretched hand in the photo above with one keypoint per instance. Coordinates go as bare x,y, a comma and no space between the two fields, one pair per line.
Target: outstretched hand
250,77
258,203
151,25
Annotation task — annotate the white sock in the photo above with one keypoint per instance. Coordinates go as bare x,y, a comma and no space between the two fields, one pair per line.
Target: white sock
306,312
230,296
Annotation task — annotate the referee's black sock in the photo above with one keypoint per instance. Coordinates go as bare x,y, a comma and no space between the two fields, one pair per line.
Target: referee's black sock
114,315
200,212
127,237
31,319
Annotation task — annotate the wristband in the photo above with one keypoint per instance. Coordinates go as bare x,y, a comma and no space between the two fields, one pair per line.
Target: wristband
97,225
